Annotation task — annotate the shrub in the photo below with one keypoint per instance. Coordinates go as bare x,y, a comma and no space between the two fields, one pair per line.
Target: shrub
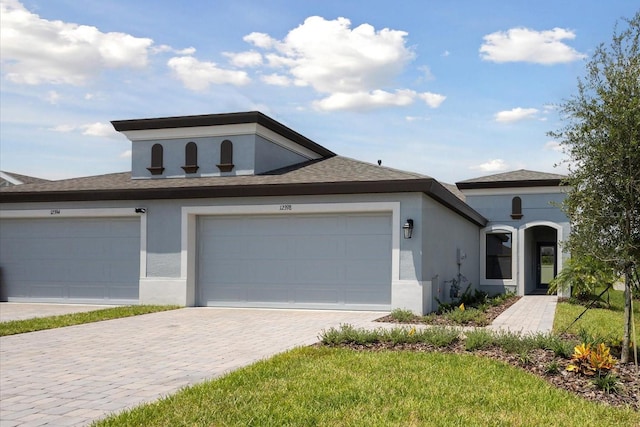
478,339
608,383
347,334
513,342
552,368
467,315
583,274
592,360
402,315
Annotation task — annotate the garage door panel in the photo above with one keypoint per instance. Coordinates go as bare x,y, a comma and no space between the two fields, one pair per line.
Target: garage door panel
323,247
320,293
331,261
367,247
272,294
367,224
317,271
67,259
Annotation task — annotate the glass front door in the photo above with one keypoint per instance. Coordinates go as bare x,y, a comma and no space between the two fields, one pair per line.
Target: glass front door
546,264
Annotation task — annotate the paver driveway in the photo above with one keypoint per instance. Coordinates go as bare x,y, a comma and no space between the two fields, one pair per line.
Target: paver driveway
73,375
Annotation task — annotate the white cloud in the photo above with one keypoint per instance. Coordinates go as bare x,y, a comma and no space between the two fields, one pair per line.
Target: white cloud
125,154
446,53
354,68
276,80
525,45
495,165
363,101
416,118
36,50
433,100
515,115
261,40
166,48
244,59
103,130
199,75
553,146
52,97
99,129
63,128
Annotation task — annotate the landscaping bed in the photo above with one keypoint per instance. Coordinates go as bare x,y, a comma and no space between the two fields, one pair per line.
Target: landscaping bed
544,355
480,315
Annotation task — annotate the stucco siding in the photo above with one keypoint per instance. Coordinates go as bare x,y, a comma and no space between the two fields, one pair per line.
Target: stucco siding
208,156
443,236
270,156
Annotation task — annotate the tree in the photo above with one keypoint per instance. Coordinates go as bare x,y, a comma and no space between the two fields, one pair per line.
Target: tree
602,140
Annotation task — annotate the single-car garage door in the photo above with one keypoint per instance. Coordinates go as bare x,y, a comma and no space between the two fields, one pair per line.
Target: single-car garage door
70,259
307,261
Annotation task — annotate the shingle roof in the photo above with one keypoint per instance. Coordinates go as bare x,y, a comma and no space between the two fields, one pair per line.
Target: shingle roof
334,175
519,178
25,179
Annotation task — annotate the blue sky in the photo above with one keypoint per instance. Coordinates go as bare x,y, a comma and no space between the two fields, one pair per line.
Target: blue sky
449,89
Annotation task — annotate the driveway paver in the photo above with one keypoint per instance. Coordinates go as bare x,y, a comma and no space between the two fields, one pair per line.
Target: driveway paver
73,375
22,311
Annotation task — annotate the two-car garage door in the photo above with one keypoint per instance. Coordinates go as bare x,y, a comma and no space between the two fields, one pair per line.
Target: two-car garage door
70,259
311,261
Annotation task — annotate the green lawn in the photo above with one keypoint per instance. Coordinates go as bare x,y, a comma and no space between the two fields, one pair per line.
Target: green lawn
599,322
40,323
322,386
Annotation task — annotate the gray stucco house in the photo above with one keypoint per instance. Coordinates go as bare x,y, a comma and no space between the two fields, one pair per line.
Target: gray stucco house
239,210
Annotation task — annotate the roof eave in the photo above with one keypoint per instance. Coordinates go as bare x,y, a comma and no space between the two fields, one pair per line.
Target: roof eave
218,120
510,184
428,186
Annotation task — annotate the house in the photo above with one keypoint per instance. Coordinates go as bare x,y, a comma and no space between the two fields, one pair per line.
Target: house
521,244
238,210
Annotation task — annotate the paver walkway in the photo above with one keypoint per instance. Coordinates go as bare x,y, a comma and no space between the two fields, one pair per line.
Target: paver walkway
531,314
73,375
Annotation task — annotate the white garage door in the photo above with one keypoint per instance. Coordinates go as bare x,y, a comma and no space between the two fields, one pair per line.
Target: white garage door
306,261
70,259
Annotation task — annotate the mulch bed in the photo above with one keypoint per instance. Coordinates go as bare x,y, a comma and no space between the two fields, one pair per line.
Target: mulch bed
491,313
536,362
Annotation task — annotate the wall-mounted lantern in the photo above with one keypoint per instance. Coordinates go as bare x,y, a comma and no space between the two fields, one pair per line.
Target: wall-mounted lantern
141,210
408,229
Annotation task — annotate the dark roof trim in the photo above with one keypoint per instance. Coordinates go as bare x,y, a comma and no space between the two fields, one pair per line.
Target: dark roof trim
221,119
510,184
428,186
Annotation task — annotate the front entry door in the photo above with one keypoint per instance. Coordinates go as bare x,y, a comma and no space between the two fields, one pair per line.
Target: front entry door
546,264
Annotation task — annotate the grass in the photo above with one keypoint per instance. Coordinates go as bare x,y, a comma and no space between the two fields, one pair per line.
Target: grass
326,386
41,323
606,324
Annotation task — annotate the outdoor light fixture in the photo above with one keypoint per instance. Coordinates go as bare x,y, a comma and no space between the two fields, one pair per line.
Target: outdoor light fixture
408,229
141,210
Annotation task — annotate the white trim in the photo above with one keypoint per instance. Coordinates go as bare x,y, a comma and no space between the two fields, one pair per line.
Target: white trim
13,180
515,191
55,212
514,255
190,213
521,248
220,131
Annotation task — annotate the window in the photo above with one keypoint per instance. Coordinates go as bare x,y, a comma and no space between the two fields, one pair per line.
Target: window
190,158
156,160
498,256
516,208
226,156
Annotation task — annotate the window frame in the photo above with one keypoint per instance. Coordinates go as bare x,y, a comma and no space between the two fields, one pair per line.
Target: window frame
499,228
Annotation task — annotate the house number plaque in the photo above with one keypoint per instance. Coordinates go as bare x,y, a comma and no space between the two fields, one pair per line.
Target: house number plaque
285,207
